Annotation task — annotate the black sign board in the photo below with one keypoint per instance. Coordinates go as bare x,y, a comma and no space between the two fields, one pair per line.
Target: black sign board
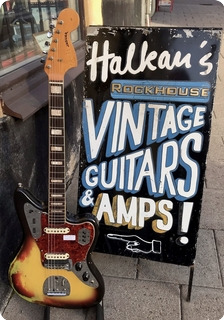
146,120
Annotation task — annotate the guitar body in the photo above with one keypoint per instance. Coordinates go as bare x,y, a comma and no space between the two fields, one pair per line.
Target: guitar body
54,267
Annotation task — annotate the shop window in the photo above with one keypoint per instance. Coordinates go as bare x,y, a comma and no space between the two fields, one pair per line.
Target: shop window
24,28
21,21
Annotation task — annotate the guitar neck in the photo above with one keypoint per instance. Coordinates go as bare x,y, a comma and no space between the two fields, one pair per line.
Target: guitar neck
60,59
57,185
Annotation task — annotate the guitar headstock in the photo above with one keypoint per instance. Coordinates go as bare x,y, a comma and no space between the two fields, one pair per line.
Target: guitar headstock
61,56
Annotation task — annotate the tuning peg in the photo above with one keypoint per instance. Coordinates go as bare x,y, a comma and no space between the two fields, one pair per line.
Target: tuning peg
51,26
49,34
47,43
42,60
45,52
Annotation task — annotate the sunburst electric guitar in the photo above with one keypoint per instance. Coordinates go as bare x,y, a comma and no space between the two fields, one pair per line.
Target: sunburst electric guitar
54,265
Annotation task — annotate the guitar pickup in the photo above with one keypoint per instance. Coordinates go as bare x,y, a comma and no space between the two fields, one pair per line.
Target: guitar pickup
56,230
56,256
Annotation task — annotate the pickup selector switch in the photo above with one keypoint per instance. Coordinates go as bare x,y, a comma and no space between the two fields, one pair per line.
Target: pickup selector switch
84,236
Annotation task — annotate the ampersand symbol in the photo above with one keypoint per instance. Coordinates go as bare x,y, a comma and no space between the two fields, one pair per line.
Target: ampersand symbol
87,199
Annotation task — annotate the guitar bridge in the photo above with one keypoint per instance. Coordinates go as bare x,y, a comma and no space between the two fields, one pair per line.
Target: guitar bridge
56,286
58,264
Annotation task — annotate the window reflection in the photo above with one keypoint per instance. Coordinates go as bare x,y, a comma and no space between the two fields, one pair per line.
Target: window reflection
19,21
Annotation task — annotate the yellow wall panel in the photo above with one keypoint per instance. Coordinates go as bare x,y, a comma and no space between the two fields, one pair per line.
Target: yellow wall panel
93,12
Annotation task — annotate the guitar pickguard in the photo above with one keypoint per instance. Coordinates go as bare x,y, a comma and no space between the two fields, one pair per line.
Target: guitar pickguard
60,260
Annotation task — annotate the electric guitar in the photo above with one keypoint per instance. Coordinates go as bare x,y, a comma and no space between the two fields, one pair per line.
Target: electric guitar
54,265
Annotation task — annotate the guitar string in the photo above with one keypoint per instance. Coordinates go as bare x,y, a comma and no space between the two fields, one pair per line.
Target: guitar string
52,175
56,217
49,174
58,140
56,172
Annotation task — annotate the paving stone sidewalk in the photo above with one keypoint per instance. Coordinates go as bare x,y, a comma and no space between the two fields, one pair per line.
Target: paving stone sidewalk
145,290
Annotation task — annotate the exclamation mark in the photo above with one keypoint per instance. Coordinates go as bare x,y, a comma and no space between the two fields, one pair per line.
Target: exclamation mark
184,222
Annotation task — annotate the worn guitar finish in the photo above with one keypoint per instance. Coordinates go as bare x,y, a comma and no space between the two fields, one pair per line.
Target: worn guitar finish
67,277
54,266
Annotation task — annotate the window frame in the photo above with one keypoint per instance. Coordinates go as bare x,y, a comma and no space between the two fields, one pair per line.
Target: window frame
24,90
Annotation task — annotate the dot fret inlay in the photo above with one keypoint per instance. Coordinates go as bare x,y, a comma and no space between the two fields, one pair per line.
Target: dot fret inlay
56,132
56,148
56,112
56,163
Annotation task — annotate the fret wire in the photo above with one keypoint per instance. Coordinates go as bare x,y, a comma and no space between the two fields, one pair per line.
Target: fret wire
58,176
57,157
56,186
57,122
54,219
57,183
56,191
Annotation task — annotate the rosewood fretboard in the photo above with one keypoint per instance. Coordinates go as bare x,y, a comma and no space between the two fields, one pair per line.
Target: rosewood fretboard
56,196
